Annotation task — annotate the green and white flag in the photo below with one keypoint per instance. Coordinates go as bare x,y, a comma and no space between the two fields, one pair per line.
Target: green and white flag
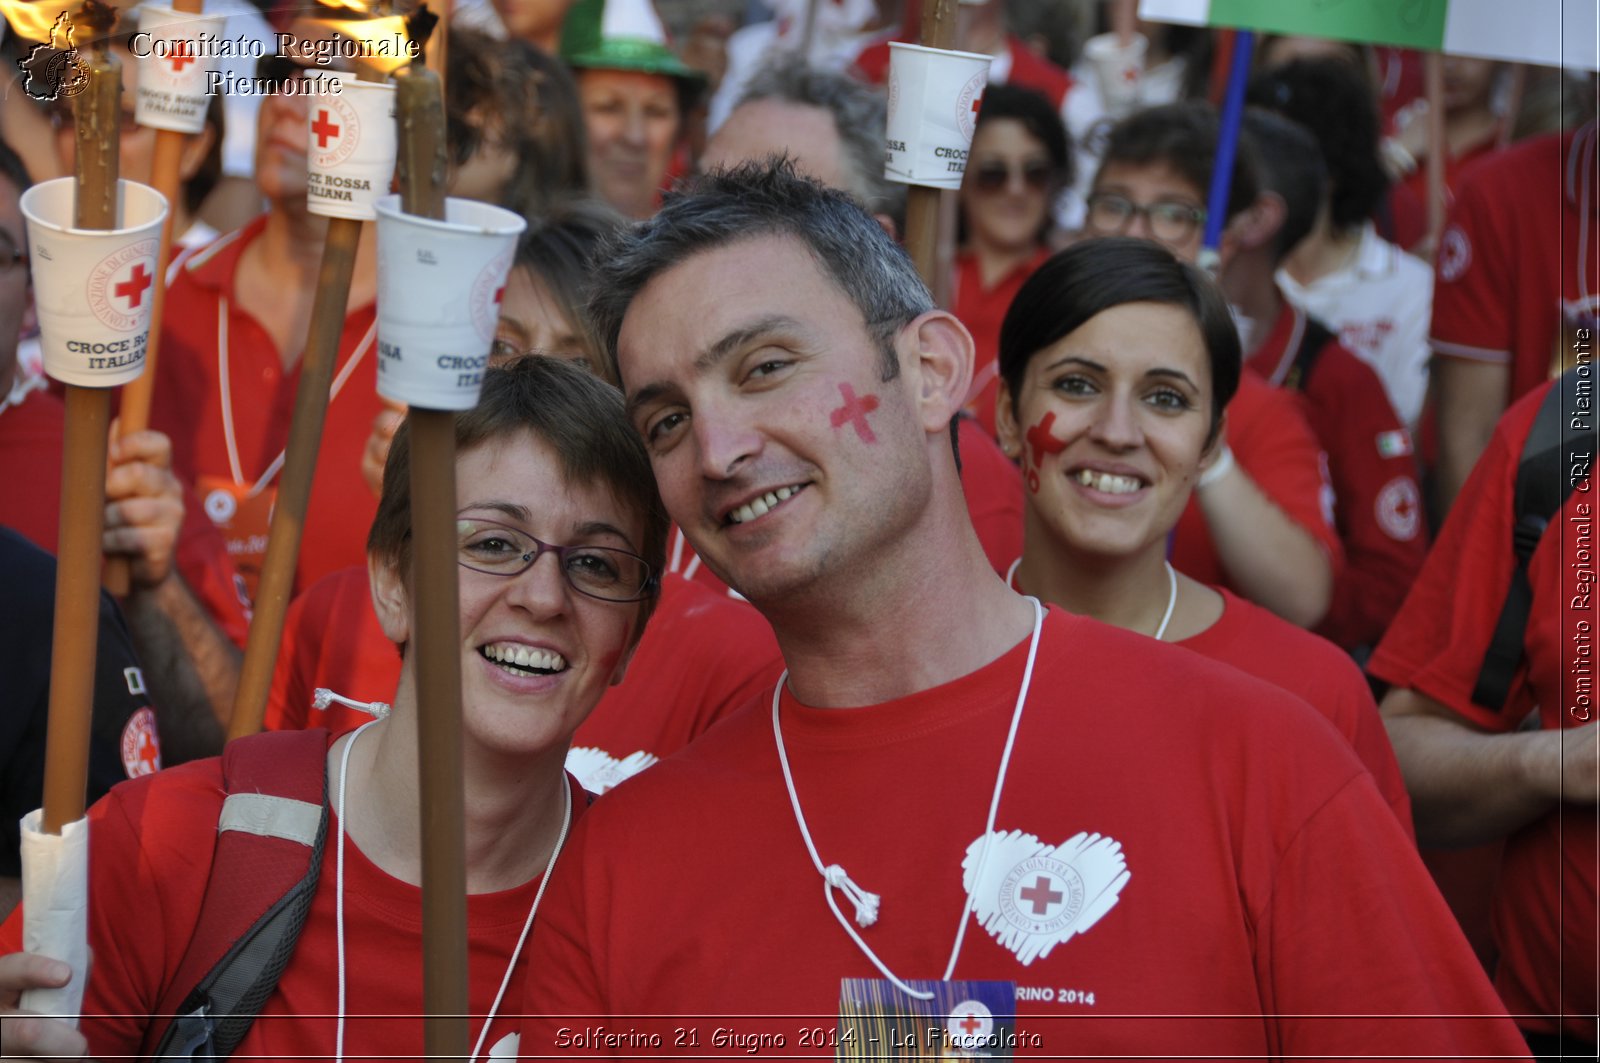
1545,32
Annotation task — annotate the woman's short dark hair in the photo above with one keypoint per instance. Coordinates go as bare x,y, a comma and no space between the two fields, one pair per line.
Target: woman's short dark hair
1094,276
512,90
569,409
560,249
1039,118
1336,102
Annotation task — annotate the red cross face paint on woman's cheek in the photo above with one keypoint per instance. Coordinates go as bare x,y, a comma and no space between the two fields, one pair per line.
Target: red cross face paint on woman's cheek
1040,443
854,413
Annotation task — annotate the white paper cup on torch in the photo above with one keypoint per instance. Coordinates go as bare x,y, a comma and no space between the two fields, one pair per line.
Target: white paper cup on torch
934,97
1118,70
176,57
55,908
351,144
93,287
439,289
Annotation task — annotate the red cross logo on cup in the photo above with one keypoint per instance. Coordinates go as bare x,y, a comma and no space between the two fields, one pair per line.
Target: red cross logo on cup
133,288
117,285
323,129
180,56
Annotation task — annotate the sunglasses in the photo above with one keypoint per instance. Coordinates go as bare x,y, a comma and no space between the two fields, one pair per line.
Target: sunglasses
994,176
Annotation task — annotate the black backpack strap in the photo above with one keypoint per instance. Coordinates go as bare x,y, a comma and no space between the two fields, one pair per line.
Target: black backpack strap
1560,442
1315,337
271,830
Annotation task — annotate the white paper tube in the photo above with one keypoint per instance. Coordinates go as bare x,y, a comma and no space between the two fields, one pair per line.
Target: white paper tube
439,290
55,909
93,288
934,96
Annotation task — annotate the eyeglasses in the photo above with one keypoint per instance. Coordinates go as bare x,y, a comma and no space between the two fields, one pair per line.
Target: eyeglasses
1170,222
602,572
11,256
993,176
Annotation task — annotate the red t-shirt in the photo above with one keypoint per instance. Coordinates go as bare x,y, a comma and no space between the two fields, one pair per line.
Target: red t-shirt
1216,865
983,310
150,850
1272,442
223,448
1516,266
1377,504
31,434
702,656
1408,198
1262,644
1545,909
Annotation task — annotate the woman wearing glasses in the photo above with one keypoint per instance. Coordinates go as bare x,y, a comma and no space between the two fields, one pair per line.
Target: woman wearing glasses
560,537
1018,164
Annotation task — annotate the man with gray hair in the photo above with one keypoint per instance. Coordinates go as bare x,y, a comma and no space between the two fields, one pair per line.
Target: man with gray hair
1029,776
831,125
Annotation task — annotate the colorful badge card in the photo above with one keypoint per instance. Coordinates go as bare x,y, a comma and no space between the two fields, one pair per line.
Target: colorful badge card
960,1020
440,285
351,142
93,287
934,96
176,57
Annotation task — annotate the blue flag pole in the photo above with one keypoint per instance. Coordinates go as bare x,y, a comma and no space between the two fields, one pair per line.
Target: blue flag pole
1227,149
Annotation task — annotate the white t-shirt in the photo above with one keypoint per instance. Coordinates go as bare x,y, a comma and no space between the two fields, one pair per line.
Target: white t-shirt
1380,305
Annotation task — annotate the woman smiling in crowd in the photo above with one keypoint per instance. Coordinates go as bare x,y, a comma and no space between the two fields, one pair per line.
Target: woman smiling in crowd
1117,362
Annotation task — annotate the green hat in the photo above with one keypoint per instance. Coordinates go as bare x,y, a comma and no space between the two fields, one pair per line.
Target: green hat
621,35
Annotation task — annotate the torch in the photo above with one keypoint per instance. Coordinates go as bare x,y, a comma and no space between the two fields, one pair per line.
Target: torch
173,101
435,607
922,198
442,266
92,245
350,137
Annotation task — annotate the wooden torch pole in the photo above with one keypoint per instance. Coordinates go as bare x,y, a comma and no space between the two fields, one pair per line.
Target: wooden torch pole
922,204
134,416
98,118
1433,86
435,611
299,466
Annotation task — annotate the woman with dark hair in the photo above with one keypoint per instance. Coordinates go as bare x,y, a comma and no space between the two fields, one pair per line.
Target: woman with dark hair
1019,162
1117,363
514,127
548,286
1377,297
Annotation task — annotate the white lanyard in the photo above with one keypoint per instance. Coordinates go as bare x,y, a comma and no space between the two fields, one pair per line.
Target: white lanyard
867,903
225,381
21,388
1166,617
338,905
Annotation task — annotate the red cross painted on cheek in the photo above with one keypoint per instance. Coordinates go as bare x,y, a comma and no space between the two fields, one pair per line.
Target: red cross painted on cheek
854,413
1040,444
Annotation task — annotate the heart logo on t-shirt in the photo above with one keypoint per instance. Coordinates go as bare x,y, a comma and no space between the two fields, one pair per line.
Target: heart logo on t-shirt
598,771
1032,896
